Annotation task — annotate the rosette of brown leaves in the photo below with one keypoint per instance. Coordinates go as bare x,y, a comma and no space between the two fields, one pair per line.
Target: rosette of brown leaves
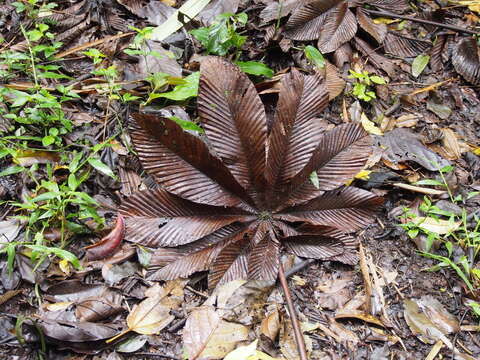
231,200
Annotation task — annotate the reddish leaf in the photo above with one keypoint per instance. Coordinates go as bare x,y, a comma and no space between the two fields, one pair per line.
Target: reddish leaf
264,259
241,239
306,22
347,209
340,154
146,214
404,46
234,120
182,163
230,264
339,27
295,133
109,243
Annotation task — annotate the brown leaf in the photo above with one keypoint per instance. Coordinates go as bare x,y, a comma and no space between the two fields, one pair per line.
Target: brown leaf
404,46
465,60
264,259
234,120
200,325
396,6
295,132
324,243
377,31
145,213
379,61
270,326
306,22
340,154
206,336
173,156
153,314
338,28
348,209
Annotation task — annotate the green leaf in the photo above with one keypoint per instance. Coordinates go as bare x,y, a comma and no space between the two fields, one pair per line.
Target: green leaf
184,91
255,68
101,167
419,64
48,140
187,125
378,80
45,196
314,56
430,182
62,254
14,169
314,179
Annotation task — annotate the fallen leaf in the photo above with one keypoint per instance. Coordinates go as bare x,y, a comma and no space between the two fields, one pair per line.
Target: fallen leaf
189,10
370,126
403,145
270,326
206,336
437,226
109,243
419,64
451,144
153,314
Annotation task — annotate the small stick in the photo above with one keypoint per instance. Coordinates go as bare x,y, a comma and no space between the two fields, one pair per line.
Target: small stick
293,316
421,21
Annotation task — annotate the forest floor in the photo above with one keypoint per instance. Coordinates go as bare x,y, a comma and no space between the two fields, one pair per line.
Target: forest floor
73,72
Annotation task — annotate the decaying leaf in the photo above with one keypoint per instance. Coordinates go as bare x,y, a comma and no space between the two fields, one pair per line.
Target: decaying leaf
403,145
207,336
230,208
466,60
404,46
153,314
429,320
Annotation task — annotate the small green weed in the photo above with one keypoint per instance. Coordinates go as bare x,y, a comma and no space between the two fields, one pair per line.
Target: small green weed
451,230
362,86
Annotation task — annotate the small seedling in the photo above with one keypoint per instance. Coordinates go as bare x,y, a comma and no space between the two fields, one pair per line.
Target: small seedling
362,86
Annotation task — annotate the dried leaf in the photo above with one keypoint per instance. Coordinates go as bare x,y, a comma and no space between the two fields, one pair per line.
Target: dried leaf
306,21
403,46
270,326
403,145
466,61
206,336
189,10
377,31
153,314
338,28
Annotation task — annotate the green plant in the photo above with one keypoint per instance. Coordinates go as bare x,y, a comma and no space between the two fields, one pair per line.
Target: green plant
362,86
221,37
450,230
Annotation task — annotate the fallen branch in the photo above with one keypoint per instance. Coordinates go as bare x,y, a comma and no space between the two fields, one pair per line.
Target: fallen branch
421,21
293,316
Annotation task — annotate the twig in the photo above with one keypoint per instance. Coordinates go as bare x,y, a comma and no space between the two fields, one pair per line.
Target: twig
293,316
298,267
421,21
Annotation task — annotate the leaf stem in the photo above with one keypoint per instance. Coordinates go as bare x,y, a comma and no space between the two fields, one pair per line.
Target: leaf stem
293,316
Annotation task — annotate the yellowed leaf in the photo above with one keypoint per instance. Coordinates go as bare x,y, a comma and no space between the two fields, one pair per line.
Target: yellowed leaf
271,325
247,352
58,306
437,226
370,126
64,265
224,339
153,314
387,21
451,144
